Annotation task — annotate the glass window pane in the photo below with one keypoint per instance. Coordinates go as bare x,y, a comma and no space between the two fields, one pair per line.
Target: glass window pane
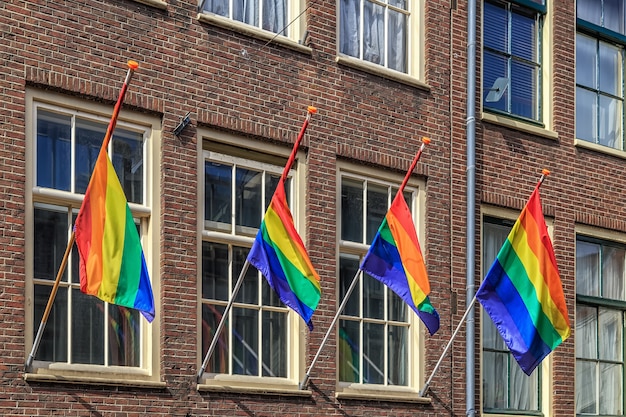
586,63
524,389
495,24
127,158
586,387
53,346
219,7
271,182
275,16
89,136
494,67
614,15
269,296
349,27
373,33
524,36
613,260
87,329
373,353
377,204
589,10
491,337
587,268
274,344
248,199
524,89
54,135
211,316
352,210
249,291
245,341
348,266
610,69
610,122
586,332
51,234
495,376
124,336
397,307
373,298
397,42
215,271
349,351
586,115
246,11
218,194
398,355
610,326
611,382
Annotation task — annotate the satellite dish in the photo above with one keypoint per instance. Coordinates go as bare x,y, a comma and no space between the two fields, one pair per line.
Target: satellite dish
497,90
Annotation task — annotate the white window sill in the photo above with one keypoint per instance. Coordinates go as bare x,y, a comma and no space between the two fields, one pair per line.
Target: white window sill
580,143
252,385
381,71
154,3
253,31
504,121
92,375
379,393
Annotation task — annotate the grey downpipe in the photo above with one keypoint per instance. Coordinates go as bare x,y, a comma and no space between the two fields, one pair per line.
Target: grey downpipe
471,206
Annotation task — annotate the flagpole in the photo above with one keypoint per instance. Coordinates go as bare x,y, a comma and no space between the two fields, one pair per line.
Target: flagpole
132,66
544,174
346,296
290,161
222,322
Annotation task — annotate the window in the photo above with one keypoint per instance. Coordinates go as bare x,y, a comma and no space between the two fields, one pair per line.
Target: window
261,336
377,331
512,58
379,32
600,307
65,144
505,387
600,42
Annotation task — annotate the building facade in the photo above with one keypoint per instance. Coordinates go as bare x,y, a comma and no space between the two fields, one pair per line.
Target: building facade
549,94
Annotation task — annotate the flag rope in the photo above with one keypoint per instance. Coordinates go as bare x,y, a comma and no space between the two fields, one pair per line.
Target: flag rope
132,66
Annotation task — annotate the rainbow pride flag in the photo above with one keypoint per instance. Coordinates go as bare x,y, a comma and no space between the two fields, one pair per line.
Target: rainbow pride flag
522,292
112,264
280,255
395,259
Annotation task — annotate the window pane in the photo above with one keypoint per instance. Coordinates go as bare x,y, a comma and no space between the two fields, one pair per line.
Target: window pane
54,134
246,11
610,123
587,268
524,389
274,344
524,36
614,15
495,380
245,341
491,337
373,353
586,115
349,27
611,388
219,7
211,316
589,10
495,27
377,204
373,33
51,231
87,329
524,89
89,136
53,346
351,210
610,335
613,260
586,60
348,351
248,199
124,336
586,387
275,16
610,71
373,298
127,158
397,307
269,296
215,271
398,355
218,194
397,42
249,291
494,67
586,332
348,266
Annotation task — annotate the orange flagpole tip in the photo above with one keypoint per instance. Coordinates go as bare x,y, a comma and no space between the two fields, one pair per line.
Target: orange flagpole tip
545,172
133,64
311,109
426,140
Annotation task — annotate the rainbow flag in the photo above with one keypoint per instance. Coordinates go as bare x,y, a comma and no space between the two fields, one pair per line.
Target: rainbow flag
280,255
522,292
395,259
112,264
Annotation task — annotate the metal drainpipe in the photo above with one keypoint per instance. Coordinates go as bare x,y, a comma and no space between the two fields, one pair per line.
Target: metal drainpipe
471,205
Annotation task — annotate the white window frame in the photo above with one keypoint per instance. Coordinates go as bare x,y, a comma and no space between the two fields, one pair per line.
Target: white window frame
546,366
416,330
148,373
296,327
